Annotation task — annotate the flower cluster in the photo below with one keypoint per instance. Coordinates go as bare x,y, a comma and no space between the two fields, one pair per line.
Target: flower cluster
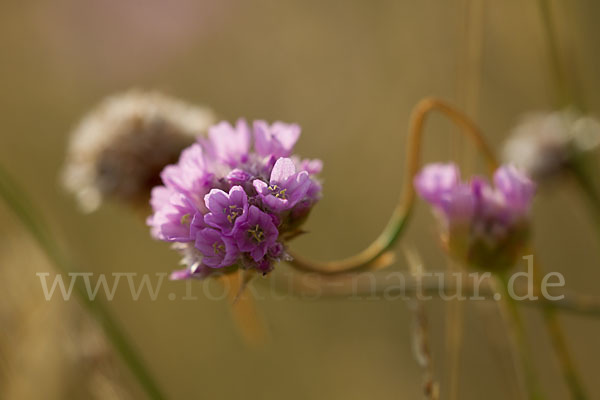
484,226
235,197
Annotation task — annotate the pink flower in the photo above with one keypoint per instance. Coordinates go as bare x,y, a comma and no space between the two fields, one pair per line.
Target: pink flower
483,225
230,202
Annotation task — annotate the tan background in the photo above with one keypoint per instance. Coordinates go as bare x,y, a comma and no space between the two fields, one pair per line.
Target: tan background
349,73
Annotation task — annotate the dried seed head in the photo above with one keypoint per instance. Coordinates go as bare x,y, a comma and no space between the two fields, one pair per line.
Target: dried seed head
119,148
544,143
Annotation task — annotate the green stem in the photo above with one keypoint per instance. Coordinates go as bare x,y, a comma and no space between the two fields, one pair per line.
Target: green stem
517,329
20,205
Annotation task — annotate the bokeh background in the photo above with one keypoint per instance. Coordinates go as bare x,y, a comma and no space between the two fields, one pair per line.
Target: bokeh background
349,73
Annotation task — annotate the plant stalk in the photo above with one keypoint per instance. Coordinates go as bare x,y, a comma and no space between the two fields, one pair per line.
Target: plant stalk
517,330
559,342
579,169
18,202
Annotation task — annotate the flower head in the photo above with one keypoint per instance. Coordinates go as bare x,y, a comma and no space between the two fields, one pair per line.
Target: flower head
118,150
544,144
229,202
482,225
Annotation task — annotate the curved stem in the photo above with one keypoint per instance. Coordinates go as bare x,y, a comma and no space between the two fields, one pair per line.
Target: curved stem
20,205
399,219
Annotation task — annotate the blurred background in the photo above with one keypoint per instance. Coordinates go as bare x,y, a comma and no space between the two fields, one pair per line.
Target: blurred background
349,73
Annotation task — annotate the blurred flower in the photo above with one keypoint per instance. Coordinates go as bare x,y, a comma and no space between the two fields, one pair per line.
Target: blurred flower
225,205
544,144
276,140
484,226
227,143
120,147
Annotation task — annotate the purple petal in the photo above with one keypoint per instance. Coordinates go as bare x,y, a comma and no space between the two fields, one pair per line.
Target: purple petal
260,186
286,134
238,176
518,190
436,180
180,274
216,200
312,166
283,169
229,144
276,140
